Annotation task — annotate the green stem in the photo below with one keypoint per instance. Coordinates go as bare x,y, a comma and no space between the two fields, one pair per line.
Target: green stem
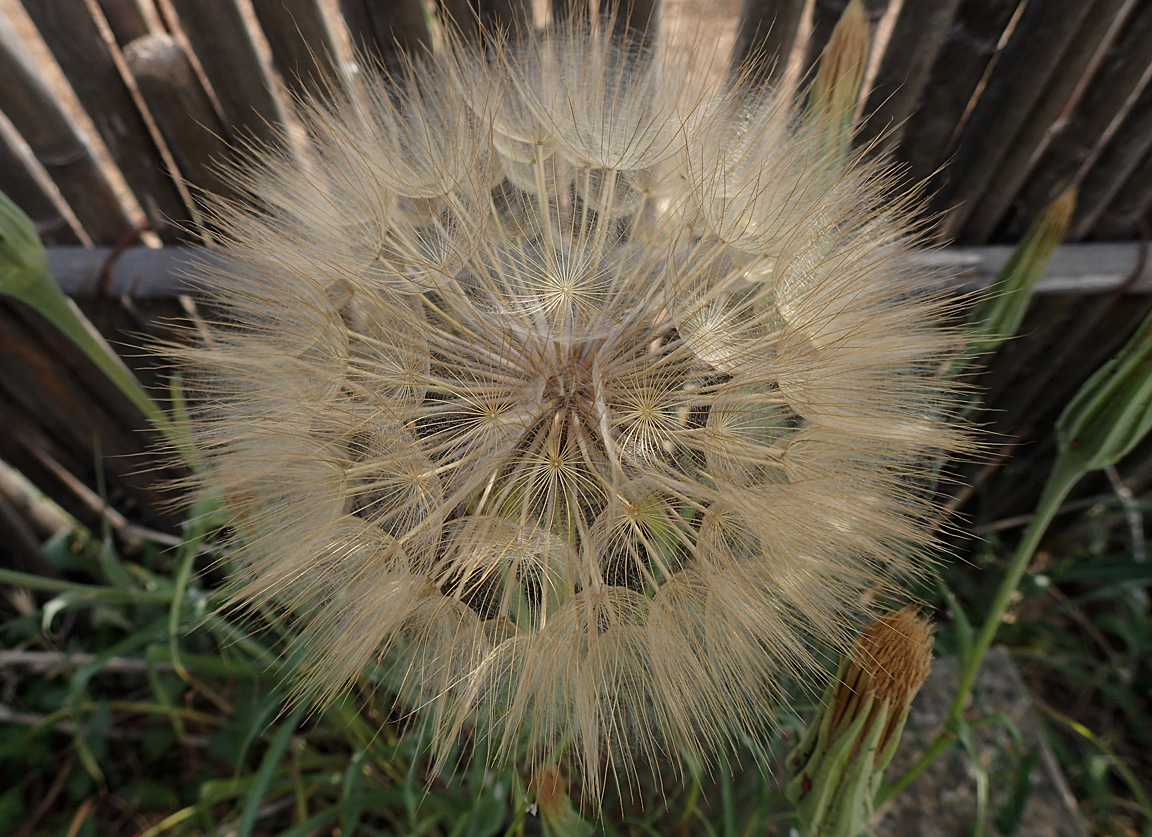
938,745
1065,474
14,578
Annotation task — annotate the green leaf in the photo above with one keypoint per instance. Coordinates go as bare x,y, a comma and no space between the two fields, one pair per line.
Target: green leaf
268,769
1112,572
11,810
24,275
23,262
1012,811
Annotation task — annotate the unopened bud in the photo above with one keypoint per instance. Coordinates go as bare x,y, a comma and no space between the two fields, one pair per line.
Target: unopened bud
1112,411
836,88
999,316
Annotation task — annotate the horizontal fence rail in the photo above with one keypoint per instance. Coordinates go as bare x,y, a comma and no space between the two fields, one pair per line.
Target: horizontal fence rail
144,272
115,116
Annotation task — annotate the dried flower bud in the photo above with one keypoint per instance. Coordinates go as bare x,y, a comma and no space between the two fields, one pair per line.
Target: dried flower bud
557,815
999,315
836,771
836,88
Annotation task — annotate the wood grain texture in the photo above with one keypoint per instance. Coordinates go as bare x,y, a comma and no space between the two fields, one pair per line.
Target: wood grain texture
182,110
125,19
20,182
765,36
240,81
303,49
960,65
1023,195
1032,379
901,81
1117,161
514,15
1131,204
1020,77
90,66
56,400
387,29
57,144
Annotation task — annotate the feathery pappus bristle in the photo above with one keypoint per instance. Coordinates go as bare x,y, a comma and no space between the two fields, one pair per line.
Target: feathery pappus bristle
586,400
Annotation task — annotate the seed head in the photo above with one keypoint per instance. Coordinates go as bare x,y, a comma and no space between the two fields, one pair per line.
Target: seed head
585,401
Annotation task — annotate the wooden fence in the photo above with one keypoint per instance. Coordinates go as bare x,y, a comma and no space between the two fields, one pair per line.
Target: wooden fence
113,111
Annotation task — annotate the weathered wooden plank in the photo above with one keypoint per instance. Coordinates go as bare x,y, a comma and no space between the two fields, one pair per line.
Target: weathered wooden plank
303,49
1029,60
126,20
825,15
562,9
19,181
34,381
91,68
387,29
1072,144
1132,202
460,17
917,37
140,272
629,14
41,515
53,470
35,454
57,144
765,36
239,79
1115,164
46,378
472,18
1093,268
182,110
960,65
516,15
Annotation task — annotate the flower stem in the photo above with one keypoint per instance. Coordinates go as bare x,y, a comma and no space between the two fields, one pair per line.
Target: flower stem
14,578
1065,474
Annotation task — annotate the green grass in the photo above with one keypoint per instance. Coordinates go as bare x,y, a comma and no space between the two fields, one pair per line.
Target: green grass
133,706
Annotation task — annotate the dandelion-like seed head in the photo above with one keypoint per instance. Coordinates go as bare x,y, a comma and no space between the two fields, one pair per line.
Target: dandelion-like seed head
586,402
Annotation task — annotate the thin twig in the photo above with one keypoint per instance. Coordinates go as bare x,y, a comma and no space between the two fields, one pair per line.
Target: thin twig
8,715
44,662
1131,513
1024,519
